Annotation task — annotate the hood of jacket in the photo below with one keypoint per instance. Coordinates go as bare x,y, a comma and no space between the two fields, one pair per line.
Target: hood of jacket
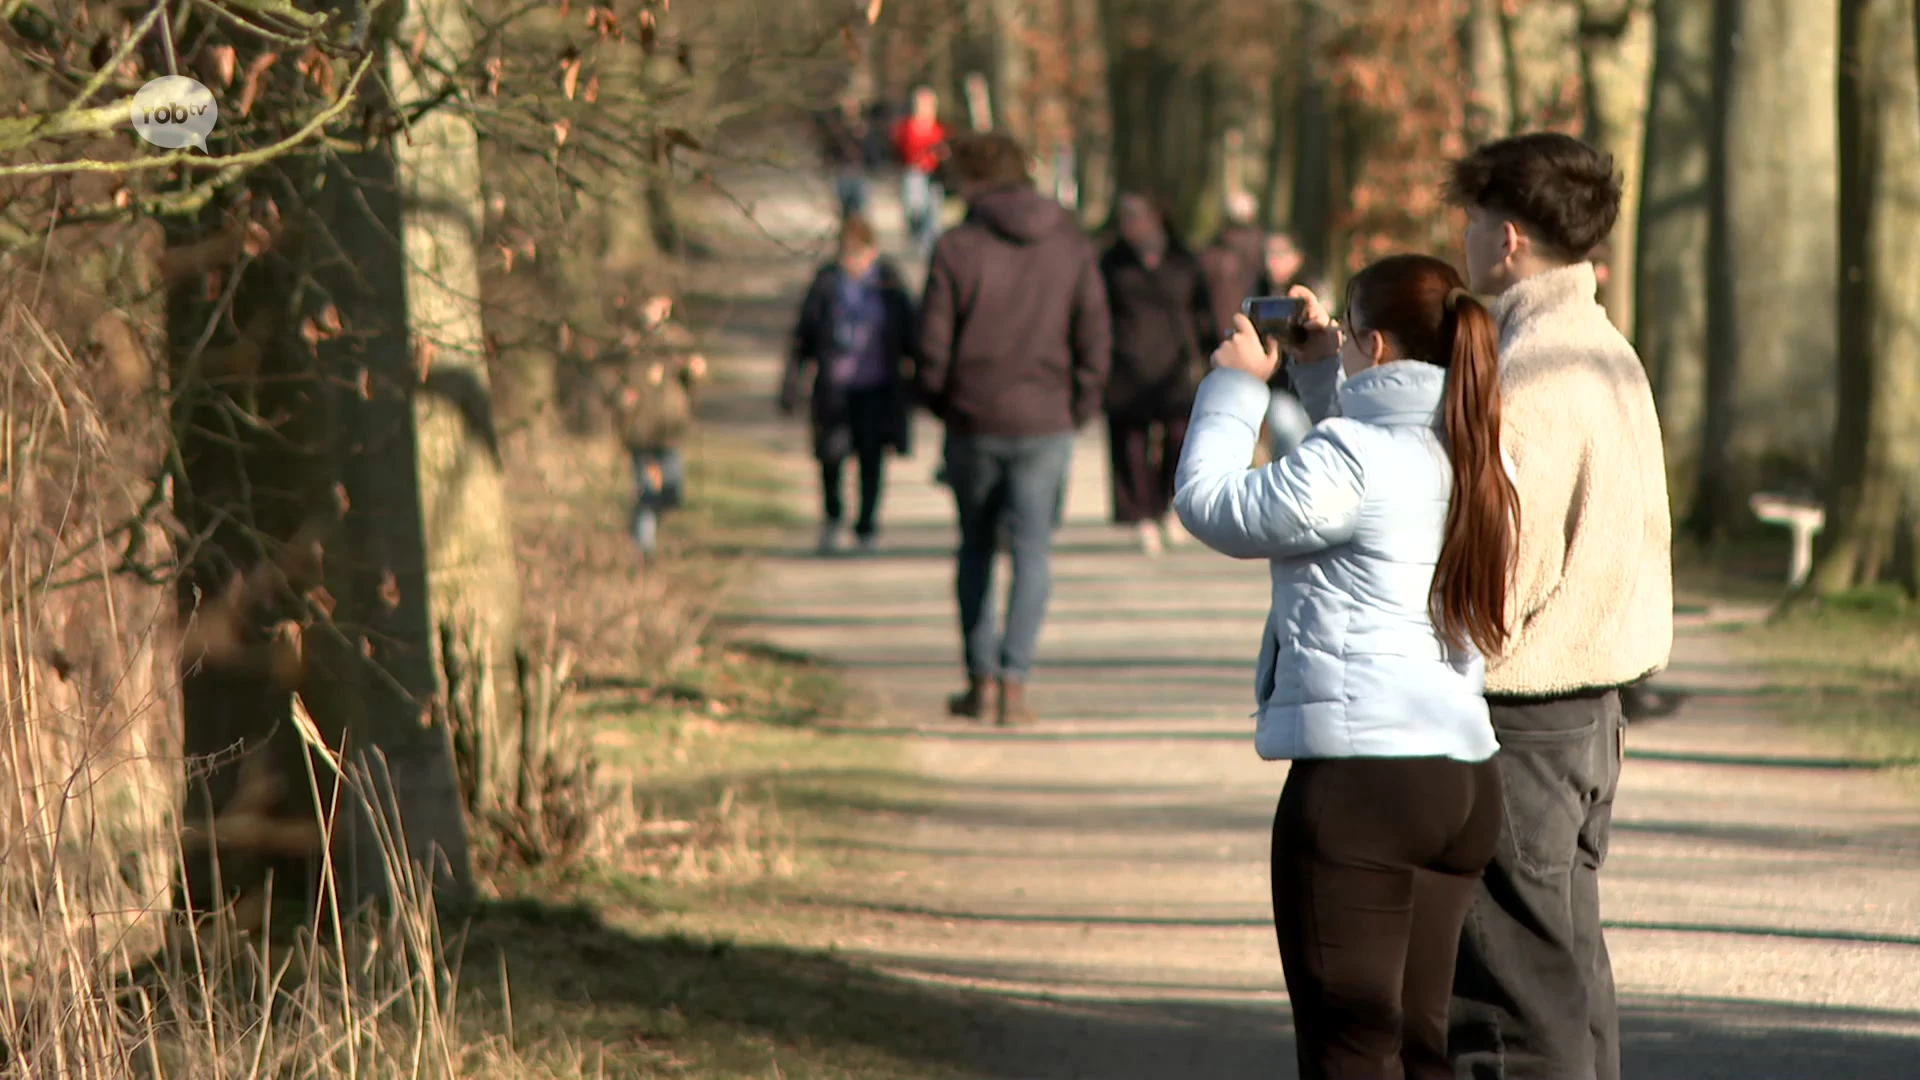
1399,393
1019,214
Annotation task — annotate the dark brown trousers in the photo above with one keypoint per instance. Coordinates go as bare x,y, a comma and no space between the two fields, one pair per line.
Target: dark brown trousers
1374,863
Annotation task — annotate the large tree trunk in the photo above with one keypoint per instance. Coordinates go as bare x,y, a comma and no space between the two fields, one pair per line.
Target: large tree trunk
375,686
1616,58
1310,217
1772,309
473,586
240,489
1670,314
1092,115
1876,469
1484,54
1543,64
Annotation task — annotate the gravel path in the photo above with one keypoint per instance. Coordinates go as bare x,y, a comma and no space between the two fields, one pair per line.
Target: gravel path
1104,873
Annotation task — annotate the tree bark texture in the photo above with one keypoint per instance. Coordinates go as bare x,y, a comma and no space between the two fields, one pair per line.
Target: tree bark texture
1771,369
1616,58
1484,54
1542,64
1876,469
472,581
1671,264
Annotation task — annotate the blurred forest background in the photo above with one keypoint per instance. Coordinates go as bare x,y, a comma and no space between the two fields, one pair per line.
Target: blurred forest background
293,428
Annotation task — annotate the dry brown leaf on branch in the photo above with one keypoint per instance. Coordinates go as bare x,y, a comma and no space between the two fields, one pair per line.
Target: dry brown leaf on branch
569,72
560,129
494,66
873,11
250,86
647,31
389,588
423,351
592,92
217,62
506,258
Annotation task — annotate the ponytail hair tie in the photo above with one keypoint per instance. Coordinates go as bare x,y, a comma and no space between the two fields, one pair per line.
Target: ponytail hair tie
1454,296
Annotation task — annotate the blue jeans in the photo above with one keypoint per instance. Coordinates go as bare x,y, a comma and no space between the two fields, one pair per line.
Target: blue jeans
659,482
922,198
850,188
1015,482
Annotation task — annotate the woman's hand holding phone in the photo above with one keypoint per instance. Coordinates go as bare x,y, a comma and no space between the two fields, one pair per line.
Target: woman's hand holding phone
1321,329
1247,352
1322,332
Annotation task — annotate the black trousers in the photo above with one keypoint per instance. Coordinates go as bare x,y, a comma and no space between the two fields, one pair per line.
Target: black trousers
1533,989
1374,863
1144,453
864,439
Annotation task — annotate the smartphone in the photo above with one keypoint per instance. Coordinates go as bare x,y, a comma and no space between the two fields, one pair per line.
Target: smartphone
1277,318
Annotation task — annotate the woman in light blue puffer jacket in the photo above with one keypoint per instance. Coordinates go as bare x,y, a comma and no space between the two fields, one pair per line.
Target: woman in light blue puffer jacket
1390,531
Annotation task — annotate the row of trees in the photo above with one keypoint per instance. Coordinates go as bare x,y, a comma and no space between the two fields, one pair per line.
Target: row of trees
1768,149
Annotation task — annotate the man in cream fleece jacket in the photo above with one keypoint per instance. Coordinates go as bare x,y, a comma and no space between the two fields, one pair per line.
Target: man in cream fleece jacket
1591,605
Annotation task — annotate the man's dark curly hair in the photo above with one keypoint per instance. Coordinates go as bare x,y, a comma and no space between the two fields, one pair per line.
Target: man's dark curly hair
1561,191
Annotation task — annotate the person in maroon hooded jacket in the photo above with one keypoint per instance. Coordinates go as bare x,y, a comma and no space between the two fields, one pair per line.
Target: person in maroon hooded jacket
1014,349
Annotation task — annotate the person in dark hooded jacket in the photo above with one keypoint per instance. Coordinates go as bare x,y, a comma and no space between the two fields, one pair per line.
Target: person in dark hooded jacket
1163,331
1014,351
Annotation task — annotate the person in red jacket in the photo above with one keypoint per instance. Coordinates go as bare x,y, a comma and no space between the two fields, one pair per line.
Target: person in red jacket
921,142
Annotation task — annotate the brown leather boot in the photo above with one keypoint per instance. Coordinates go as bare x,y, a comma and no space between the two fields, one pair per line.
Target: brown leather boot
1014,710
975,702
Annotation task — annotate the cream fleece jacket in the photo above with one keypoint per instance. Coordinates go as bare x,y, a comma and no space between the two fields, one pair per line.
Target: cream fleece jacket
1592,596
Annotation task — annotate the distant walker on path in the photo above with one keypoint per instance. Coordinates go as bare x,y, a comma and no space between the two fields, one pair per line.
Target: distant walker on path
1014,349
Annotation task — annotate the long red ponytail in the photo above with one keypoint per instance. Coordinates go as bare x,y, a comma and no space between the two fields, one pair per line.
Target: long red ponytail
1424,305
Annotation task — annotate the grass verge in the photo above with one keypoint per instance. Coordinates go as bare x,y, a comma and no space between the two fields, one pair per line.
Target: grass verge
683,946
1851,667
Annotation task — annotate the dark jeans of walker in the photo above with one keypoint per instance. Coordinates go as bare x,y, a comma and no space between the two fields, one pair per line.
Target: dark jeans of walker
1374,863
1533,989
1010,481
1143,455
866,441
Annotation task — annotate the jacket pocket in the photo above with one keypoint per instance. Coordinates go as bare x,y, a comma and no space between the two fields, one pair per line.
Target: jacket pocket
1265,672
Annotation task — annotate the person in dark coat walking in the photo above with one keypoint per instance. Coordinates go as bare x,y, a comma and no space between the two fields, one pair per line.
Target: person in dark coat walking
855,338
1013,354
1163,331
844,143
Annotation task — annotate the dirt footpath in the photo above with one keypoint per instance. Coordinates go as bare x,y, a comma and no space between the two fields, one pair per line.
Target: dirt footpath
1105,871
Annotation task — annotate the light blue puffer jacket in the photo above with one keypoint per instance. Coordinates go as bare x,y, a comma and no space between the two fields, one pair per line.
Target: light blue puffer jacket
1350,664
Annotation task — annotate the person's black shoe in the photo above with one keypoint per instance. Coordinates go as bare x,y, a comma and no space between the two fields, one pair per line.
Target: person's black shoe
975,702
1645,703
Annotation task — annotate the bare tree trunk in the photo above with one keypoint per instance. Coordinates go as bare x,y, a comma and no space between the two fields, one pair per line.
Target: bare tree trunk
1276,194
1484,51
1542,62
1670,315
1616,58
1310,217
376,684
1092,112
472,580
1771,314
1012,70
1876,470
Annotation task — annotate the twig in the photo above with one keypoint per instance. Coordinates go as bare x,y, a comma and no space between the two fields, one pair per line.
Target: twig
107,116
